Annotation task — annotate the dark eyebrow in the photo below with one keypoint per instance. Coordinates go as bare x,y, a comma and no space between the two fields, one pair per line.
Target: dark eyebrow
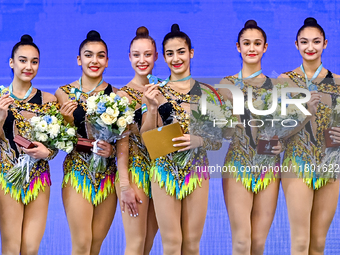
22,57
181,49
88,51
303,38
169,50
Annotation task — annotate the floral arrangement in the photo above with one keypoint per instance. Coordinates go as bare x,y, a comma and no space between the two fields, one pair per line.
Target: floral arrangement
208,126
109,116
50,130
264,101
269,129
331,159
110,111
219,114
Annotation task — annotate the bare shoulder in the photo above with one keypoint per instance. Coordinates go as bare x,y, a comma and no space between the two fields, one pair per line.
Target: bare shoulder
336,76
48,97
122,93
228,79
283,76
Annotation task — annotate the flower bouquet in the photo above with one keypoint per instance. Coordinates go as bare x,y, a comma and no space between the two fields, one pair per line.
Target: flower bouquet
109,116
331,160
50,130
273,126
208,124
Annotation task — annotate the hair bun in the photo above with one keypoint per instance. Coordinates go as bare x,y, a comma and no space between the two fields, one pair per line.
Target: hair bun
310,21
175,28
250,24
93,34
26,39
142,31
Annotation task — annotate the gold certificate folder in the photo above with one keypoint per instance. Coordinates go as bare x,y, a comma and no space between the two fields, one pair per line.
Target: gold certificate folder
159,142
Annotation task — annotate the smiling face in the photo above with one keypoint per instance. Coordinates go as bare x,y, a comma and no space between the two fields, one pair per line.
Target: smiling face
93,59
25,63
311,44
143,56
177,55
252,46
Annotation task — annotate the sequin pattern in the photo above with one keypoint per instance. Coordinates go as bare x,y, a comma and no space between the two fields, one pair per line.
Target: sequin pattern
242,149
303,149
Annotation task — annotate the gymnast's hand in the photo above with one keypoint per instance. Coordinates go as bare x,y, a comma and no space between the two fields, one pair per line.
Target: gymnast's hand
335,134
189,142
129,199
38,152
67,110
5,102
277,149
313,102
106,149
151,94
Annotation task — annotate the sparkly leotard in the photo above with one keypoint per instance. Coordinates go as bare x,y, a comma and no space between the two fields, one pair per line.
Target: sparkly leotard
39,176
139,162
181,182
94,188
306,148
242,149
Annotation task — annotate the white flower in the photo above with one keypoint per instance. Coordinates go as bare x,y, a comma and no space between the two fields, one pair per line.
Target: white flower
129,119
124,101
121,122
228,114
60,145
91,106
110,111
258,104
112,95
228,104
107,119
71,132
54,120
53,130
42,126
69,147
115,111
291,109
109,99
130,113
41,137
34,120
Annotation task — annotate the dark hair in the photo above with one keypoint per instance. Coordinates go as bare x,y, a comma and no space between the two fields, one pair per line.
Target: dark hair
24,40
311,22
93,36
251,24
176,33
143,33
